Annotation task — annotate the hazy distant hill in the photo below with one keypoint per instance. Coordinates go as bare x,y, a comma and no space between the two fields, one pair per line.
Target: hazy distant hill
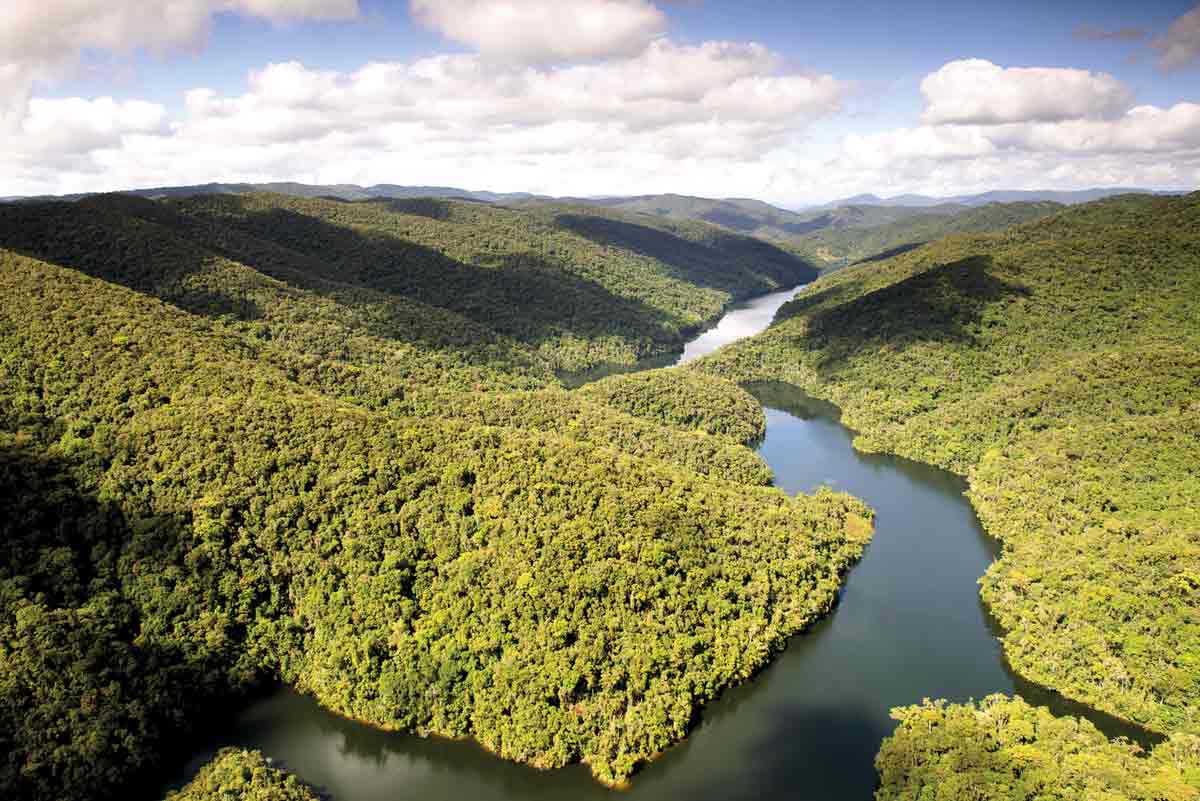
340,191
995,196
833,246
579,285
762,219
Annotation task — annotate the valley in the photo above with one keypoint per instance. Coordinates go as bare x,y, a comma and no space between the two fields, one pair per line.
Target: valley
311,460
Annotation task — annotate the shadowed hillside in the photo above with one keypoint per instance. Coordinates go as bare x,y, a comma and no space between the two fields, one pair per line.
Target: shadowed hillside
1057,365
251,439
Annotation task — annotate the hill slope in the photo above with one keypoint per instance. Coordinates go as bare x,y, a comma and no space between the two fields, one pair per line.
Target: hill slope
761,219
256,438
830,247
556,287
1057,365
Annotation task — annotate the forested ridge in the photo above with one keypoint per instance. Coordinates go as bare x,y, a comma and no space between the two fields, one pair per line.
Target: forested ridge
836,246
560,286
1057,366
248,439
846,222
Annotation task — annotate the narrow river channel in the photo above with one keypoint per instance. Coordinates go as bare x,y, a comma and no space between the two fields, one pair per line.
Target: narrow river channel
910,625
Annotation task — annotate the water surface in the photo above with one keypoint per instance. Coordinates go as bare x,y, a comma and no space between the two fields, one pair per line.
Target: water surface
909,625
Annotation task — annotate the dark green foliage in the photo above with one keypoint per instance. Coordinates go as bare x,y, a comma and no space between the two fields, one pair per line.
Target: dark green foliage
416,287
685,400
237,775
1057,365
232,457
835,246
1005,750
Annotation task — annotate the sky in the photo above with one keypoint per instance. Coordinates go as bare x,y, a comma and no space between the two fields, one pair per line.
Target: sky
788,101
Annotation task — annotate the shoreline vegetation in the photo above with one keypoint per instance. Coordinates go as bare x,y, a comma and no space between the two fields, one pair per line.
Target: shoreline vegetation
1055,365
260,438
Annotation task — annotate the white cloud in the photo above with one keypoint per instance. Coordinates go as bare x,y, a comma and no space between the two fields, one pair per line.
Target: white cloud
700,111
665,86
41,40
1147,146
1181,44
978,92
1144,129
544,31
716,118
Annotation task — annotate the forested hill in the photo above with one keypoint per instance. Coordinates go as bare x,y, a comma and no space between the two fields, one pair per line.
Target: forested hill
1057,365
252,439
835,246
763,220
491,287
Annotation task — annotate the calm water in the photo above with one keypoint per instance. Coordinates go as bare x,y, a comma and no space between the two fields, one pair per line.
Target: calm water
745,319
910,625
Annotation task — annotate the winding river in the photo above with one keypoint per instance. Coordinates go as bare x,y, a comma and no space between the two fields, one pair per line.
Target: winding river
909,625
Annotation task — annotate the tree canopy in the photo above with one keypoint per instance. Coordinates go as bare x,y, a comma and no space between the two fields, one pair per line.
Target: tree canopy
1057,366
249,439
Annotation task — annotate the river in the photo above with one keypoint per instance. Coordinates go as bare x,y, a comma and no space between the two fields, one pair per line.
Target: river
909,625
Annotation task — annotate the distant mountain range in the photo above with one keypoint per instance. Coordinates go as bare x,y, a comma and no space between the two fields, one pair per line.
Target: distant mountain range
838,233
339,191
997,196
738,213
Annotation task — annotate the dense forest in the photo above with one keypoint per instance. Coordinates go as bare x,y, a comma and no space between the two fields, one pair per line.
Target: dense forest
1057,365
1003,749
242,776
837,246
793,229
247,439
555,287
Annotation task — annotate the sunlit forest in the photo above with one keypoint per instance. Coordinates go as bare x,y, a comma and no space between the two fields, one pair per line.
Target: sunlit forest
258,439
1057,366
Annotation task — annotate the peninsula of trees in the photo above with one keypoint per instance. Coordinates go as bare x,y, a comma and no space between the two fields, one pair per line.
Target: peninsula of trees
255,438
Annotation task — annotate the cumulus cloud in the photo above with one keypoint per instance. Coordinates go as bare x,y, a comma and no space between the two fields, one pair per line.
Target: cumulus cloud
1143,129
664,111
544,31
978,92
666,85
717,118
42,40
1180,46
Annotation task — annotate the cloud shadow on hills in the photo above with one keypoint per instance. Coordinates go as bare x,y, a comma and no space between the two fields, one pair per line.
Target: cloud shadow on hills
518,294
691,262
944,304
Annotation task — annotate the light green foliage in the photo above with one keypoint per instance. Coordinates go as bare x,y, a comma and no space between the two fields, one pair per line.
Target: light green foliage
1057,365
237,775
1005,750
684,399
580,417
228,457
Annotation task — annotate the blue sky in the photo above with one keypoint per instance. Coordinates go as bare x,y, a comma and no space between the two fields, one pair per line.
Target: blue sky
852,113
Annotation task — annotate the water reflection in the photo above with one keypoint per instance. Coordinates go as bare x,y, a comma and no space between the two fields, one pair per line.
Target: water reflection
909,625
742,320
